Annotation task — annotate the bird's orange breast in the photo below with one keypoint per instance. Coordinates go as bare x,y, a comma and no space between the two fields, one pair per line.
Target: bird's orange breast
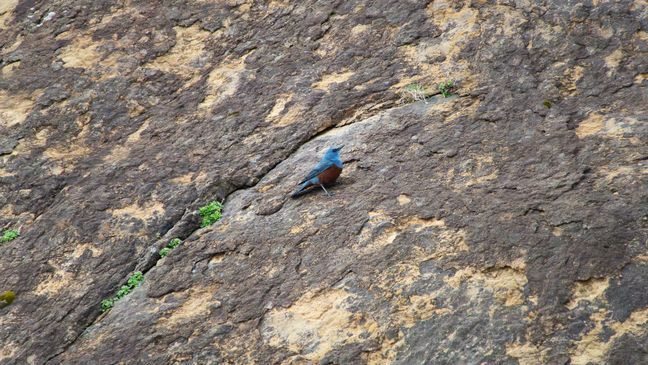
329,175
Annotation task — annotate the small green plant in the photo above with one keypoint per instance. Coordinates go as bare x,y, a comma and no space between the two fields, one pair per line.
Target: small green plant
9,235
7,298
106,304
172,244
164,252
415,92
547,103
210,213
446,88
132,283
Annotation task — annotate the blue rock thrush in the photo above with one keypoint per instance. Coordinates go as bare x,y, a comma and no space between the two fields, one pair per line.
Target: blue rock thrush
324,174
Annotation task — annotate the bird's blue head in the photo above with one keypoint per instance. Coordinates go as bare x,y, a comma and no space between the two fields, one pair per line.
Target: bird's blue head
333,153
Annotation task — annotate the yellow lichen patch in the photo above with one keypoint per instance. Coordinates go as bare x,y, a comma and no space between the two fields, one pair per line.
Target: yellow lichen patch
640,258
198,303
513,22
6,10
506,284
308,222
144,212
418,308
80,249
526,354
200,178
613,60
395,280
137,135
27,144
5,173
570,77
278,108
328,46
8,350
8,49
217,259
253,139
449,241
245,8
66,153
14,108
293,115
316,324
545,31
640,78
84,52
117,154
328,80
482,179
591,125
135,109
265,188
596,124
282,114
475,171
458,27
444,15
223,81
121,152
588,290
54,283
590,349
359,29
182,57
8,69
403,199
387,352
182,179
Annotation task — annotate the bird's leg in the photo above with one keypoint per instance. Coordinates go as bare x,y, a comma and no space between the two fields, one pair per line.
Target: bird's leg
327,193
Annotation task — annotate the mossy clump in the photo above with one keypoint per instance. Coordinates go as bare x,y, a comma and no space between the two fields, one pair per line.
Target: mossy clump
210,213
9,235
7,298
415,92
446,88
133,282
172,244
547,104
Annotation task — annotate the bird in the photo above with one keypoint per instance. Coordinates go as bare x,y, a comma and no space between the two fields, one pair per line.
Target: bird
324,174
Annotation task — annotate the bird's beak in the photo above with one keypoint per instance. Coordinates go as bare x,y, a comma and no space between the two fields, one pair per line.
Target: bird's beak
339,147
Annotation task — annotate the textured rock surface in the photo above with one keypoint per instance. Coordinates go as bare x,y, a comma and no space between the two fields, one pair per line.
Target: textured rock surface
483,228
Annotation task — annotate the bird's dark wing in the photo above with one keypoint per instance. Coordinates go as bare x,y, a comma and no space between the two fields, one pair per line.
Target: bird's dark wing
319,168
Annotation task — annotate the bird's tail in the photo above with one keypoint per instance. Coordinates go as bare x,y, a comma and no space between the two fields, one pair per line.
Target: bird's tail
303,189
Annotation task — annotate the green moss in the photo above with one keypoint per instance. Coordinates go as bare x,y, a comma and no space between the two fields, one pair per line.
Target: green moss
133,282
7,298
547,104
9,235
106,304
164,252
446,88
210,213
172,244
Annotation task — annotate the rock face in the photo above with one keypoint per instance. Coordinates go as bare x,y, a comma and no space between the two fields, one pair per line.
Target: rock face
506,224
